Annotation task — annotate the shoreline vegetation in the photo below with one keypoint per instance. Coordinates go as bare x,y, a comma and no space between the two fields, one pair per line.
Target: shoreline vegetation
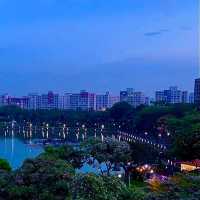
132,171
53,175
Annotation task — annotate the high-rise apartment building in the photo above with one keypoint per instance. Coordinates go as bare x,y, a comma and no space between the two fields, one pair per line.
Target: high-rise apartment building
66,101
50,101
197,92
1,101
123,96
133,98
74,101
185,97
35,101
136,99
87,101
21,102
83,101
4,100
191,97
160,96
105,101
147,101
172,96
102,101
114,100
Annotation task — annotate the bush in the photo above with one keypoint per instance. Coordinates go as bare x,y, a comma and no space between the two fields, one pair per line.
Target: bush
4,165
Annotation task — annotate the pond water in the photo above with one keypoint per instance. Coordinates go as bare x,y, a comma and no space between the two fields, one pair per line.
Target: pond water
15,150
15,147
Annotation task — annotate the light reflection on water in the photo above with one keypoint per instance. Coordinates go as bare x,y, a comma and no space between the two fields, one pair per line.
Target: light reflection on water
16,151
14,147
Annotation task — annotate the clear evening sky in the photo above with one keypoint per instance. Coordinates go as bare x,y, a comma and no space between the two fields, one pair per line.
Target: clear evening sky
98,45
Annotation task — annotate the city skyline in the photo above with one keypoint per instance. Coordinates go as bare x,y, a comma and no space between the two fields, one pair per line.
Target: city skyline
97,45
88,101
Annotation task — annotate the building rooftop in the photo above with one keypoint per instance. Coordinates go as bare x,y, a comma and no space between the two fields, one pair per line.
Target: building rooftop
195,163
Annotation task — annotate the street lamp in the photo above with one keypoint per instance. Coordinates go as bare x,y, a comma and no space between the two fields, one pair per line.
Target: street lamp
151,171
119,176
146,166
102,127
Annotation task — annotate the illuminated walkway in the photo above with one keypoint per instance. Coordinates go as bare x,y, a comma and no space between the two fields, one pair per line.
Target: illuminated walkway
122,136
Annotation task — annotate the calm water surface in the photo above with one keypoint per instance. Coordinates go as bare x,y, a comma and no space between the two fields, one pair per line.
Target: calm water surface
16,151
14,147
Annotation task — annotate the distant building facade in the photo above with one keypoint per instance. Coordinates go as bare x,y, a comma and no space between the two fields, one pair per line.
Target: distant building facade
123,96
87,101
4,100
49,101
105,101
133,98
114,100
66,105
102,101
160,96
191,98
185,97
197,92
80,101
22,102
35,101
172,96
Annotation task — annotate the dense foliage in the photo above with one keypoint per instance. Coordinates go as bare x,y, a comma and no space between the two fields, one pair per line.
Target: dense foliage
141,118
53,174
111,152
93,187
4,165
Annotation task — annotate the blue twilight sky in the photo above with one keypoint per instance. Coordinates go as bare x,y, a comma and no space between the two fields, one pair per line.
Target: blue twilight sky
98,45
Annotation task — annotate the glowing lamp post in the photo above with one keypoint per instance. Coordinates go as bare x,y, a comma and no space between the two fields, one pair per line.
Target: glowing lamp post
102,127
47,126
119,176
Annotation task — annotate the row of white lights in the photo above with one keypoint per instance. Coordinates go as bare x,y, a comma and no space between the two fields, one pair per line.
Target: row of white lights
132,138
